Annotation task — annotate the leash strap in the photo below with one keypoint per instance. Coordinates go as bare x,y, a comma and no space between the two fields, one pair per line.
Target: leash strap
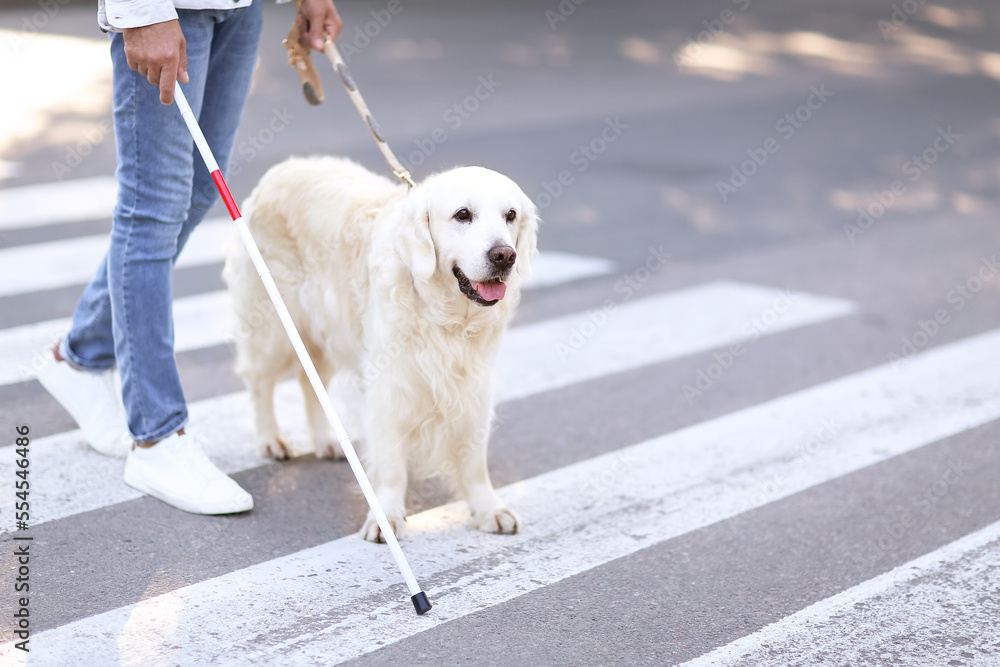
359,103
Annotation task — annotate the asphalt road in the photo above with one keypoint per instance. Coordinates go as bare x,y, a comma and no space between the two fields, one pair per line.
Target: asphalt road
846,151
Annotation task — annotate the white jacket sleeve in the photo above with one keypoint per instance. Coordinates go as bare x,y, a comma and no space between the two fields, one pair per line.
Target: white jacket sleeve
116,15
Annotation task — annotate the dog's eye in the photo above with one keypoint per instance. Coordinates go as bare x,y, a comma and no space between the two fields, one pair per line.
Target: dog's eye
511,214
463,215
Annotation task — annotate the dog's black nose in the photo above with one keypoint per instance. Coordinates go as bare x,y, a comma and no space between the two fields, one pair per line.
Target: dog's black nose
502,256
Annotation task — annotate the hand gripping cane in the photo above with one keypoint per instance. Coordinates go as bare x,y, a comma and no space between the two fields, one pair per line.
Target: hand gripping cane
419,598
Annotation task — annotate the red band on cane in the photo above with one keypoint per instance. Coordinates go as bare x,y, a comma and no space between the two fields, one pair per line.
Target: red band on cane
227,196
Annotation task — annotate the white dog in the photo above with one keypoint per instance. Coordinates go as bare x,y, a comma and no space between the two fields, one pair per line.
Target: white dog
406,294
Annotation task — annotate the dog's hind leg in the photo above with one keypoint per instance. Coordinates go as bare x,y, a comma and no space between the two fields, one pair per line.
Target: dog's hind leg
268,433
261,360
323,439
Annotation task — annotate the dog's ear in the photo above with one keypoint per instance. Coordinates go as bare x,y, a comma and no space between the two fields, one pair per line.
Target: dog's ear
413,237
526,243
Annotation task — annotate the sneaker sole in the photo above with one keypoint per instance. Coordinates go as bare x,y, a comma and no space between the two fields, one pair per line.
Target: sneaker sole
139,484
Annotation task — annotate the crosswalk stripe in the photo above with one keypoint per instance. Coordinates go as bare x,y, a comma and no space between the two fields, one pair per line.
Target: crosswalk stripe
342,599
30,268
68,262
68,470
206,319
200,321
939,609
565,350
54,203
551,268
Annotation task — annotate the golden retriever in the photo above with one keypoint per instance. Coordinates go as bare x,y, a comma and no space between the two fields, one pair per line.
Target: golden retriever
404,295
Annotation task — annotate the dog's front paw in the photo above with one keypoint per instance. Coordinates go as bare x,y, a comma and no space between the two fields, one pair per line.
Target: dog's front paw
275,448
502,521
330,449
371,531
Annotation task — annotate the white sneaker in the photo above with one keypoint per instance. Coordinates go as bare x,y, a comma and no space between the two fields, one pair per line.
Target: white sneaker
177,471
94,402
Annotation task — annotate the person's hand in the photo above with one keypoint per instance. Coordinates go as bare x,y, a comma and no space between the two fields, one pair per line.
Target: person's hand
158,52
317,18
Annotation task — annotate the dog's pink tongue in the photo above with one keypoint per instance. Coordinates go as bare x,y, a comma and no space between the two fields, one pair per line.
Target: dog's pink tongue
492,291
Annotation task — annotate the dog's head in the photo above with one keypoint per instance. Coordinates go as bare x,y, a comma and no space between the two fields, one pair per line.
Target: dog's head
471,227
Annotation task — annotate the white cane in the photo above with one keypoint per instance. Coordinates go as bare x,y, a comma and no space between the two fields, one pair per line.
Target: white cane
419,598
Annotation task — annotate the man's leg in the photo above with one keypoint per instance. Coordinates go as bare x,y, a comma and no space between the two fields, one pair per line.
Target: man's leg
90,343
152,220
155,174
159,203
155,218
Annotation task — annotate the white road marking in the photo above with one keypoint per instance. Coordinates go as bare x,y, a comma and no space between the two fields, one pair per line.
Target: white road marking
550,268
582,346
225,421
68,262
555,268
56,203
343,599
939,609
639,332
200,321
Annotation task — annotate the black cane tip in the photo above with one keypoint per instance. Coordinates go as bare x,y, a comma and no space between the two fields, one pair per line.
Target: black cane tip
310,92
421,603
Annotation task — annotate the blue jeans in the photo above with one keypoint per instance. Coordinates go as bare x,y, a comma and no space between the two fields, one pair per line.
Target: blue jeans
125,316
